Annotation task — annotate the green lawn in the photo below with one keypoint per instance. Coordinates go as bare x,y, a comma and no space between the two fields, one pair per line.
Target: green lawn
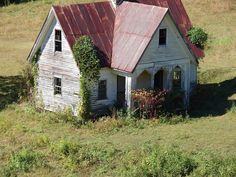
112,143
21,126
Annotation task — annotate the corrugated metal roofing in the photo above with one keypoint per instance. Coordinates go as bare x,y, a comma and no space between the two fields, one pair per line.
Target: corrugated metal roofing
134,27
180,17
94,19
121,34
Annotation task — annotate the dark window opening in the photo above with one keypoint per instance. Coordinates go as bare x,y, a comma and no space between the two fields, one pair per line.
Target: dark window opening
159,80
57,86
162,36
177,77
58,42
102,90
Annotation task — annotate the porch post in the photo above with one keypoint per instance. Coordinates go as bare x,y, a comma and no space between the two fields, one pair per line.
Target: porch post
128,88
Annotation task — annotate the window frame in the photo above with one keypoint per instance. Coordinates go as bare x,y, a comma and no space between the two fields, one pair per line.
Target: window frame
102,96
178,70
57,89
166,37
57,40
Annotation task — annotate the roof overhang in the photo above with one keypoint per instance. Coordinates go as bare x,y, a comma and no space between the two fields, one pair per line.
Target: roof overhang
42,34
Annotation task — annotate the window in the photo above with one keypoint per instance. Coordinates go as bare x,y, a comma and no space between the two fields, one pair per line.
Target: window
58,43
177,75
102,90
57,86
162,36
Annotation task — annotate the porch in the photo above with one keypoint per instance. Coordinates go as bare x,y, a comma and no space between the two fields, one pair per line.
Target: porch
160,78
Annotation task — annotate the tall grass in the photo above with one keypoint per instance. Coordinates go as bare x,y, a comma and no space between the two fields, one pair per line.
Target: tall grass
23,160
156,161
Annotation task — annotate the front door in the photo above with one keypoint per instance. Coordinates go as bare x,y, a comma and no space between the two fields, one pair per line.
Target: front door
120,91
158,80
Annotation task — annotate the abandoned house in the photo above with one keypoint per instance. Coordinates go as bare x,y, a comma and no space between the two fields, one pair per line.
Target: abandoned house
145,45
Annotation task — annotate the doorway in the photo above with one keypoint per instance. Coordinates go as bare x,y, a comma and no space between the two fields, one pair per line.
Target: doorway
120,91
159,80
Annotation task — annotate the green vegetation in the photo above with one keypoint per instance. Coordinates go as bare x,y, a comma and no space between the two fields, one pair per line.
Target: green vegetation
23,160
203,143
88,62
198,37
115,147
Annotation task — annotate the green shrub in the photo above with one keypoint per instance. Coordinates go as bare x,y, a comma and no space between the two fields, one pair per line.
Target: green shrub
26,159
213,165
198,37
67,152
166,163
66,148
23,160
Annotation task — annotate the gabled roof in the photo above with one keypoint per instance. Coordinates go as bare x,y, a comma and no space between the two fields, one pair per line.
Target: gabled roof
180,18
120,34
134,27
94,19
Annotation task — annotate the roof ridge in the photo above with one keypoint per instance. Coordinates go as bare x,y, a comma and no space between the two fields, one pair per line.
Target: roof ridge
84,3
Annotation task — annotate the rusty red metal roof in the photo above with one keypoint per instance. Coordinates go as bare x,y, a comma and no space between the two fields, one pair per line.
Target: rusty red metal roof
122,34
94,19
181,19
135,25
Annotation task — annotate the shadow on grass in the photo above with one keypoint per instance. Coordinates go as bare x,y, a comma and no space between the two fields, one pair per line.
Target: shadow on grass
212,99
8,2
9,90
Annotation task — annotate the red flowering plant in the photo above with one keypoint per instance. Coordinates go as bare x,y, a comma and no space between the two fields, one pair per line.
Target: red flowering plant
147,103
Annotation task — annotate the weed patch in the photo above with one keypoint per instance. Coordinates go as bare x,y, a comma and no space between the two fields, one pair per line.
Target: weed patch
74,155
24,160
156,161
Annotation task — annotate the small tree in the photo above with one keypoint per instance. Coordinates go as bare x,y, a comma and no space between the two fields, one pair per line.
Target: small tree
198,37
88,62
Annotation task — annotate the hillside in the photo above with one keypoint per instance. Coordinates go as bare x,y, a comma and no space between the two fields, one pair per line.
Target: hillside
21,23
46,144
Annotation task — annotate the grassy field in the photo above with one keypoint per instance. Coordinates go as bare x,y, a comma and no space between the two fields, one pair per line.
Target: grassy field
113,147
21,126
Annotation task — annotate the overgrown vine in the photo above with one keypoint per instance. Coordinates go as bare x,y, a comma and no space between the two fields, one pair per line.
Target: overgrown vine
29,78
88,62
34,71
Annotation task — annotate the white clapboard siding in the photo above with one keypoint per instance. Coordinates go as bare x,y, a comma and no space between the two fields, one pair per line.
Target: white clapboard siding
176,52
58,64
62,64
105,74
